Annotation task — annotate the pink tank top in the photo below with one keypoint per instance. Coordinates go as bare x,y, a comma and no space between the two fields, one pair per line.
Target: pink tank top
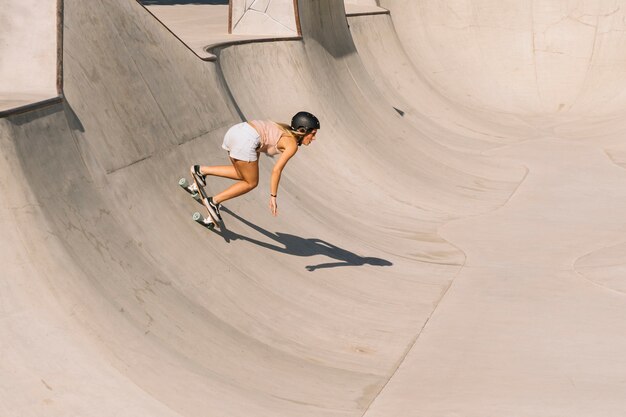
270,134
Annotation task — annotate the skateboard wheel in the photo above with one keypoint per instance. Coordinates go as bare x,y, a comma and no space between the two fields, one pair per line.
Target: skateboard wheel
207,222
183,182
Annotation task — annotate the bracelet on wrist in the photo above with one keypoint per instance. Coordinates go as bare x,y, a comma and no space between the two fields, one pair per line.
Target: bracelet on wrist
272,195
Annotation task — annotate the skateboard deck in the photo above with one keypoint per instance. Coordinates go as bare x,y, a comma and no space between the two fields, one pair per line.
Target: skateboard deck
198,193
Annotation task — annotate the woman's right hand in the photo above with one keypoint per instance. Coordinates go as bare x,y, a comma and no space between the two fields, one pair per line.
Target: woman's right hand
273,206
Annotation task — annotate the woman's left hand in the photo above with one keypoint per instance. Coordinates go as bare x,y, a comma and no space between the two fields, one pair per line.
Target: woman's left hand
273,206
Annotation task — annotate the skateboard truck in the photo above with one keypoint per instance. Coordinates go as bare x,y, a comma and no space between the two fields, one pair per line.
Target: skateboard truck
205,221
190,188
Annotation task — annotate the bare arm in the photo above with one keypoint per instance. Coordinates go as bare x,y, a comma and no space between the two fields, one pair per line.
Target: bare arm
291,147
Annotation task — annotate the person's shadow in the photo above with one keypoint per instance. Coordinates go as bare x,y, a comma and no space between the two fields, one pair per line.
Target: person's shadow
298,246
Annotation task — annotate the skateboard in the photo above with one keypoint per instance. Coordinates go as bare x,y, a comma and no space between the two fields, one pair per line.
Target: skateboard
198,193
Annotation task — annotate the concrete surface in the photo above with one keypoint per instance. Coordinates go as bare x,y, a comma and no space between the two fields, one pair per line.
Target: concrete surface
270,17
28,52
452,244
201,26
361,7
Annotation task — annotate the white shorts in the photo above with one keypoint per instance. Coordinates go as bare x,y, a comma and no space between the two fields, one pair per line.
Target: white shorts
241,141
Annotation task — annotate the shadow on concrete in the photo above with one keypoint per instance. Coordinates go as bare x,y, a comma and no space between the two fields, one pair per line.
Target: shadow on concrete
299,246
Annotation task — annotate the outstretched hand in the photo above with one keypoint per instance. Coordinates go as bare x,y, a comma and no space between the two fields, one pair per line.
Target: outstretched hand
273,206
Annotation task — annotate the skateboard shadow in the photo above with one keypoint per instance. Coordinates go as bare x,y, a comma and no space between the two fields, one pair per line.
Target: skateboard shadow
299,246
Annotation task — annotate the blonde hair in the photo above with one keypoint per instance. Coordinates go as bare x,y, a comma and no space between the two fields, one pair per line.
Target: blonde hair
288,130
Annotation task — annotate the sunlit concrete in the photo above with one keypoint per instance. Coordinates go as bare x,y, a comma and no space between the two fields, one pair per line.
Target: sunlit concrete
201,26
28,52
452,243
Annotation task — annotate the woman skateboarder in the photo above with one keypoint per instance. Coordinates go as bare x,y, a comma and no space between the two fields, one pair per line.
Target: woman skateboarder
244,142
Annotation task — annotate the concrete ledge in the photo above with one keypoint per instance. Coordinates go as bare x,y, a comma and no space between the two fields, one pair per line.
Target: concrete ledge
201,28
13,107
353,10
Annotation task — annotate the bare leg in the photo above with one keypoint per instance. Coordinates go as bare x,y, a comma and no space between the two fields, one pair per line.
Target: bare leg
224,171
248,175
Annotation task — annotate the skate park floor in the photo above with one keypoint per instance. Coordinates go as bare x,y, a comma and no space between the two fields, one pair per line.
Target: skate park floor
451,245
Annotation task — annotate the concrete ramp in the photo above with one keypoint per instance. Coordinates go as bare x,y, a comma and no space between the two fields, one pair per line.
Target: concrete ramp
433,255
28,51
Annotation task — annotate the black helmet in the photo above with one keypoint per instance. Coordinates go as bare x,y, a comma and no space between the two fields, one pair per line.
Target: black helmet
305,120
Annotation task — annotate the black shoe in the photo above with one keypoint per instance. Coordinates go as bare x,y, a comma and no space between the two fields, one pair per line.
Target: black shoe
213,208
195,171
